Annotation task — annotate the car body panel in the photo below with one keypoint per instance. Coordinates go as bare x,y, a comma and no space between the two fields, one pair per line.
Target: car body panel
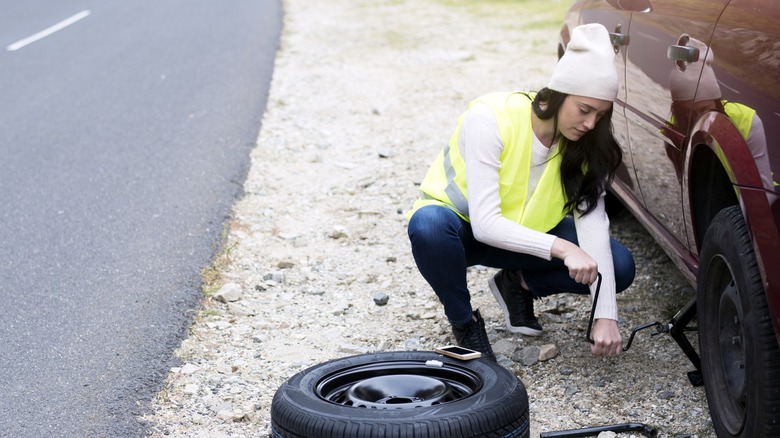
665,144
657,145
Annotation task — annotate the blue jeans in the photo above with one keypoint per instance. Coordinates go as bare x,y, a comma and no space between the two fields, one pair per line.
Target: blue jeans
443,246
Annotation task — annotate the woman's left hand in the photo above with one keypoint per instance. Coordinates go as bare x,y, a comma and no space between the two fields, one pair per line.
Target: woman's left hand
606,338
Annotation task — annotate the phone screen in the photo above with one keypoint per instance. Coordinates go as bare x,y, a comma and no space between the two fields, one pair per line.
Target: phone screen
458,350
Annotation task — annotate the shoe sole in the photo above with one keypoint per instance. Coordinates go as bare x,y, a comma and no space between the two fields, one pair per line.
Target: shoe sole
527,331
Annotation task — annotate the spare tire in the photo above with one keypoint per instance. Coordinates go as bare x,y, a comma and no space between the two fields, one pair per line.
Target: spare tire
401,394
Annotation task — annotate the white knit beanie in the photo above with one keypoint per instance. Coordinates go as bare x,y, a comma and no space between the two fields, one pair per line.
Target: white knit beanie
682,84
587,68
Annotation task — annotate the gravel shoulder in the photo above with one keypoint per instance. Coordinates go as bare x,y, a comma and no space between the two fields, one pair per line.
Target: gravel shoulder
364,94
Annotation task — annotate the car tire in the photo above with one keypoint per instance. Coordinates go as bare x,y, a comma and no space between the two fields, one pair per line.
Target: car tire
401,394
739,350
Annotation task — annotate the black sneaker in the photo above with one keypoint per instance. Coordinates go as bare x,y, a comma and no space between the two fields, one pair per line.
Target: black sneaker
473,335
516,303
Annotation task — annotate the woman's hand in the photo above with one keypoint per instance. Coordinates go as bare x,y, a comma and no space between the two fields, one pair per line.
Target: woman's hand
582,268
606,338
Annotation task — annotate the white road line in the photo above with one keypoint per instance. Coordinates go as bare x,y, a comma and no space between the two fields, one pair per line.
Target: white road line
46,32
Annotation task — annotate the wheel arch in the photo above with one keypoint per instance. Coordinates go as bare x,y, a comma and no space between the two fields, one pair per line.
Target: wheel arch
711,190
725,174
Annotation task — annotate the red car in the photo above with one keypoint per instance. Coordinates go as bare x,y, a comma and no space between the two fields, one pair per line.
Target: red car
698,118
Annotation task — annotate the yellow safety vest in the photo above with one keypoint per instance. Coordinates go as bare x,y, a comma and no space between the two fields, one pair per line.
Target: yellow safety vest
445,182
741,115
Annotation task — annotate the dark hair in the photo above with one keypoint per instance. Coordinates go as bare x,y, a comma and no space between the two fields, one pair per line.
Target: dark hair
588,164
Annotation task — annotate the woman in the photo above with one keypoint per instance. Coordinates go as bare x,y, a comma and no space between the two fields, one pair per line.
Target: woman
500,195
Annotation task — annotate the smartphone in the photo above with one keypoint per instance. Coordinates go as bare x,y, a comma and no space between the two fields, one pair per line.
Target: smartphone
458,352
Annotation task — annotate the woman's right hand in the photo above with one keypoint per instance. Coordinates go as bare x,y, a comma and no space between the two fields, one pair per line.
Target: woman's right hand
582,268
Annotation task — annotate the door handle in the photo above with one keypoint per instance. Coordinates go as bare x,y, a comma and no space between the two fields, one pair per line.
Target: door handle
618,39
682,53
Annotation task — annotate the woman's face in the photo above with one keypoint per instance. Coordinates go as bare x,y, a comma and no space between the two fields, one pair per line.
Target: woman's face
579,114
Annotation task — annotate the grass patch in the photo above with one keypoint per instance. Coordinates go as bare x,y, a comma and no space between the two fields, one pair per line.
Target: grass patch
211,276
509,15
529,14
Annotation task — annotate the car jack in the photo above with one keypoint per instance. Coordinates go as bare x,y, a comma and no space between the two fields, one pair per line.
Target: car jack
676,327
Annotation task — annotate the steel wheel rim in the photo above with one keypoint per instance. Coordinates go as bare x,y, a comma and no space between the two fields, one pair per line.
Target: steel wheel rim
398,385
732,345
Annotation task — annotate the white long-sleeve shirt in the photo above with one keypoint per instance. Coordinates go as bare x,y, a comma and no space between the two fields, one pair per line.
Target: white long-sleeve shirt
480,144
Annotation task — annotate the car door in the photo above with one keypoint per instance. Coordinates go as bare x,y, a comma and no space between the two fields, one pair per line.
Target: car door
615,15
661,42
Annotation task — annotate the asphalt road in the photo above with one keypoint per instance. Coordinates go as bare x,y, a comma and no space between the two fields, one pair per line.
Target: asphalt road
124,141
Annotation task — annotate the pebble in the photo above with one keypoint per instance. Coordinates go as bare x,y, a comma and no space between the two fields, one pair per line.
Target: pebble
228,293
527,356
189,369
381,298
547,352
504,347
191,388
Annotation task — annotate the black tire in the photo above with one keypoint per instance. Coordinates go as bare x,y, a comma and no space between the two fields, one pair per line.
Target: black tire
739,350
401,394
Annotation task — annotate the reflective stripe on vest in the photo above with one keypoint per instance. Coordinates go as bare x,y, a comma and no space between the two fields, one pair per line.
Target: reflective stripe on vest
452,190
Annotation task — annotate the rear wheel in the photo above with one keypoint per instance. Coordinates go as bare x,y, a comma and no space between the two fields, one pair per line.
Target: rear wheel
740,355
401,394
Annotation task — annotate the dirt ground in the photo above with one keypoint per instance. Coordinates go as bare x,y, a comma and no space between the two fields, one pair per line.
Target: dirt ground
364,94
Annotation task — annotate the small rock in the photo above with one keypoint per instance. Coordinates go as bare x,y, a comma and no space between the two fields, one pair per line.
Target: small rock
527,356
553,317
339,232
386,153
237,310
666,395
547,352
570,390
219,325
228,293
504,347
225,411
381,298
189,369
607,434
191,389
339,308
274,277
224,368
583,406
285,264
